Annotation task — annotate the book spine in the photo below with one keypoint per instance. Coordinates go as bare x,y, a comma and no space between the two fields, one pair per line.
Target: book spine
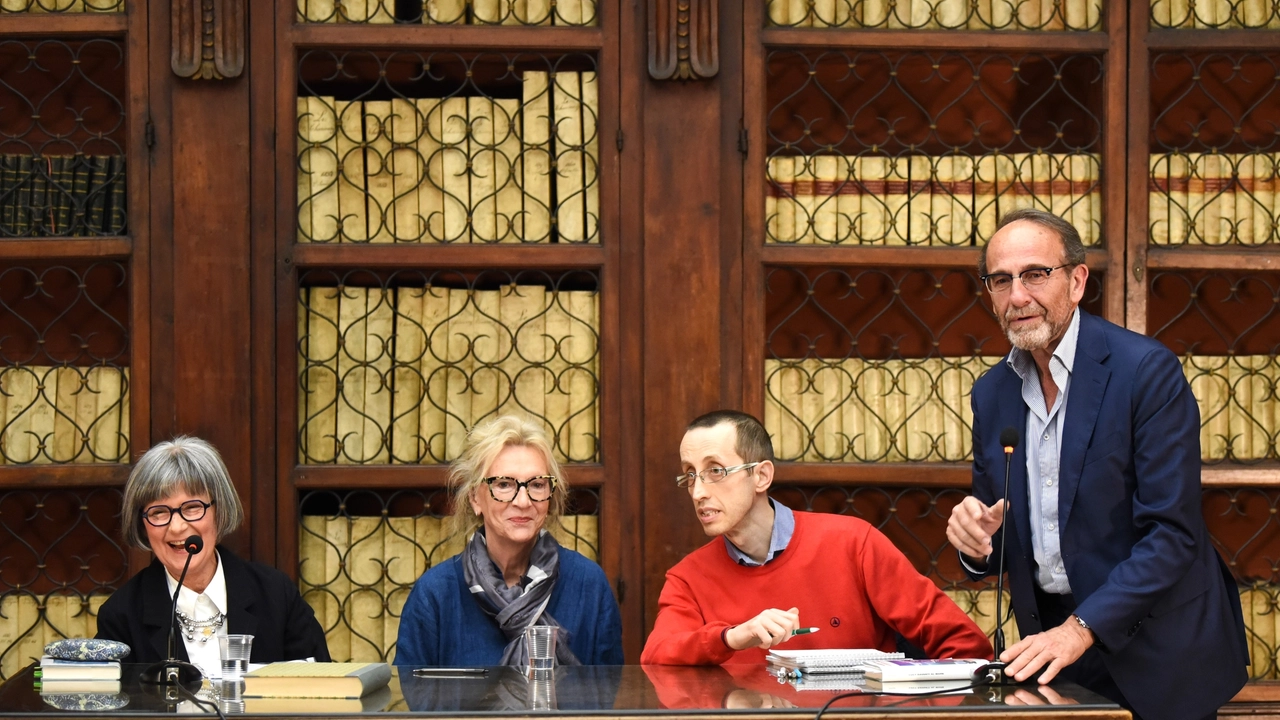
407,393
535,158
353,328
568,12
118,184
1264,190
963,217
398,555
806,200
434,320
460,364
305,200
379,180
506,129
39,210
898,201
559,327
589,537
488,388
484,189
377,368
431,220
312,582
1243,199
98,191
353,224
66,438
941,186
455,151
406,170
591,155
568,179
583,353
523,313
873,174
825,230
848,201
875,385
785,181
337,538
366,609
61,187
485,12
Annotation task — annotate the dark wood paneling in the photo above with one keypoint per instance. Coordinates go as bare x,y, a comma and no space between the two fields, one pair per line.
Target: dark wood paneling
682,358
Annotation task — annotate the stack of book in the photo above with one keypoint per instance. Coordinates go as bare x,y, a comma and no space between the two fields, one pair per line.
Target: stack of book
77,676
356,572
1217,14
25,629
454,12
1237,396
953,200
399,375
940,14
62,195
61,6
64,414
1213,198
453,170
854,410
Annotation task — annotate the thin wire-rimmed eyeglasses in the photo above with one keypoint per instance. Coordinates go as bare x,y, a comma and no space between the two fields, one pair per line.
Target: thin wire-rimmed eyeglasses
505,489
711,475
1030,278
161,515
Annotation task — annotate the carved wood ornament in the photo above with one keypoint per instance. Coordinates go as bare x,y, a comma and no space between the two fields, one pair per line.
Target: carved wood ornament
208,38
684,40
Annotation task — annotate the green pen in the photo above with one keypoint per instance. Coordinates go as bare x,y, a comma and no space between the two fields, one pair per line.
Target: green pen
804,631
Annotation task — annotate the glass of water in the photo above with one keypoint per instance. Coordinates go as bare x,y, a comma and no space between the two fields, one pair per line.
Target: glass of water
541,640
234,650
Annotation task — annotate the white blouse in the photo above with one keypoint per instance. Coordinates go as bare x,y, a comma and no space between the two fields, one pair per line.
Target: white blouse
203,650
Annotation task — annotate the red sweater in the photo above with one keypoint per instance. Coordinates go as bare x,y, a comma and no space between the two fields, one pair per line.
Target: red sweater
844,576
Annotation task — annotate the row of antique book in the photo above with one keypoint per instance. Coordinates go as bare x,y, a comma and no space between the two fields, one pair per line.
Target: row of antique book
453,170
64,414
1215,14
356,572
855,410
24,630
62,195
939,14
925,200
61,6
453,12
1213,198
400,375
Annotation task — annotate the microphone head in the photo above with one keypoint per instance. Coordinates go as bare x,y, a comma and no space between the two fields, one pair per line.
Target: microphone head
193,544
1009,438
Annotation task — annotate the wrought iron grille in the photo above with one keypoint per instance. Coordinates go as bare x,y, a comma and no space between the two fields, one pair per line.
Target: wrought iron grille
62,138
447,148
1214,14
360,553
558,13
396,369
64,357
1242,523
61,6
1214,148
938,14
916,148
60,558
1225,327
877,365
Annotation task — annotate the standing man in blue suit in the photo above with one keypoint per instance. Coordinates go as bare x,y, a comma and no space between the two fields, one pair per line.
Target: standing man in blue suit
1115,584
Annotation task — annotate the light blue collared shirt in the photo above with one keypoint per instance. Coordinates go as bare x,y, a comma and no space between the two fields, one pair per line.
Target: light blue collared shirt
1044,454
784,526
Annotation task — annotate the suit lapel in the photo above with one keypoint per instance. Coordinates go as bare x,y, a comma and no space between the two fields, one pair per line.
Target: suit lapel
1013,413
1089,378
157,612
240,619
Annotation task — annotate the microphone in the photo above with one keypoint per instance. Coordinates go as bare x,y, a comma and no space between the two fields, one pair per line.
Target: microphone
993,672
172,671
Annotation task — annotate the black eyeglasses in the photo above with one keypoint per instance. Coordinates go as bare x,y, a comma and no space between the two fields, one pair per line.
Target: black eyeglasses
161,515
505,489
1030,278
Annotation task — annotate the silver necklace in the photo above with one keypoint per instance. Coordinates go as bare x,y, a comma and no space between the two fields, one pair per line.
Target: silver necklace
206,628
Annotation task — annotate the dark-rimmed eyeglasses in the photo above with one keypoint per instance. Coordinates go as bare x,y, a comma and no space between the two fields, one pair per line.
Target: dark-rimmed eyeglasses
161,515
1030,278
505,489
712,475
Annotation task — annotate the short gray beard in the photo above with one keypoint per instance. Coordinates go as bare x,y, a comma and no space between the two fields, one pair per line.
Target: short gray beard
1031,339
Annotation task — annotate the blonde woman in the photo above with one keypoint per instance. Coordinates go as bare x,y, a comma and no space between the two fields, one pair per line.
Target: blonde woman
473,608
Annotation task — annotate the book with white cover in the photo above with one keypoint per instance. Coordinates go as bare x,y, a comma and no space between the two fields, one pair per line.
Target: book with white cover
899,670
827,660
54,669
919,687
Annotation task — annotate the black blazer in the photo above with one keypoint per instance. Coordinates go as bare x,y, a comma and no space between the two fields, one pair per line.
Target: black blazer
261,601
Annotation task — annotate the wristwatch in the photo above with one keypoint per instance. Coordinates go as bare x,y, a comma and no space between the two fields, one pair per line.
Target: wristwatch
1080,621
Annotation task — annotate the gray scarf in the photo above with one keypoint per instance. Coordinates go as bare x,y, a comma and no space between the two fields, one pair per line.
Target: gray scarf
516,608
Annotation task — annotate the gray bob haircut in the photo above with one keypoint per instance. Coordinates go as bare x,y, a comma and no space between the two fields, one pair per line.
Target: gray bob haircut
485,443
183,463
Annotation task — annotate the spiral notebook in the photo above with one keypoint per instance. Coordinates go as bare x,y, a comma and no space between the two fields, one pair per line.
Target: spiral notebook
830,660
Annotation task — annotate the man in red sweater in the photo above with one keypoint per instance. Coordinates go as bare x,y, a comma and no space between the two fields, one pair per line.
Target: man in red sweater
776,571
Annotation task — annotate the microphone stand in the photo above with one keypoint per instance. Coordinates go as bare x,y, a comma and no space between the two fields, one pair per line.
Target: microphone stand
174,672
993,672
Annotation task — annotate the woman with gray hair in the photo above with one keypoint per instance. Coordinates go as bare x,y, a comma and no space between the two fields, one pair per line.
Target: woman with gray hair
472,609
179,489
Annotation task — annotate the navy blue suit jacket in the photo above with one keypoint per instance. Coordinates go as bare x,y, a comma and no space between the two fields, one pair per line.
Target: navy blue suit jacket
1142,570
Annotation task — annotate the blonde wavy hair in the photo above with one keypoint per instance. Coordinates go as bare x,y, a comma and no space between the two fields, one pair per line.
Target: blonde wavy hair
485,443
